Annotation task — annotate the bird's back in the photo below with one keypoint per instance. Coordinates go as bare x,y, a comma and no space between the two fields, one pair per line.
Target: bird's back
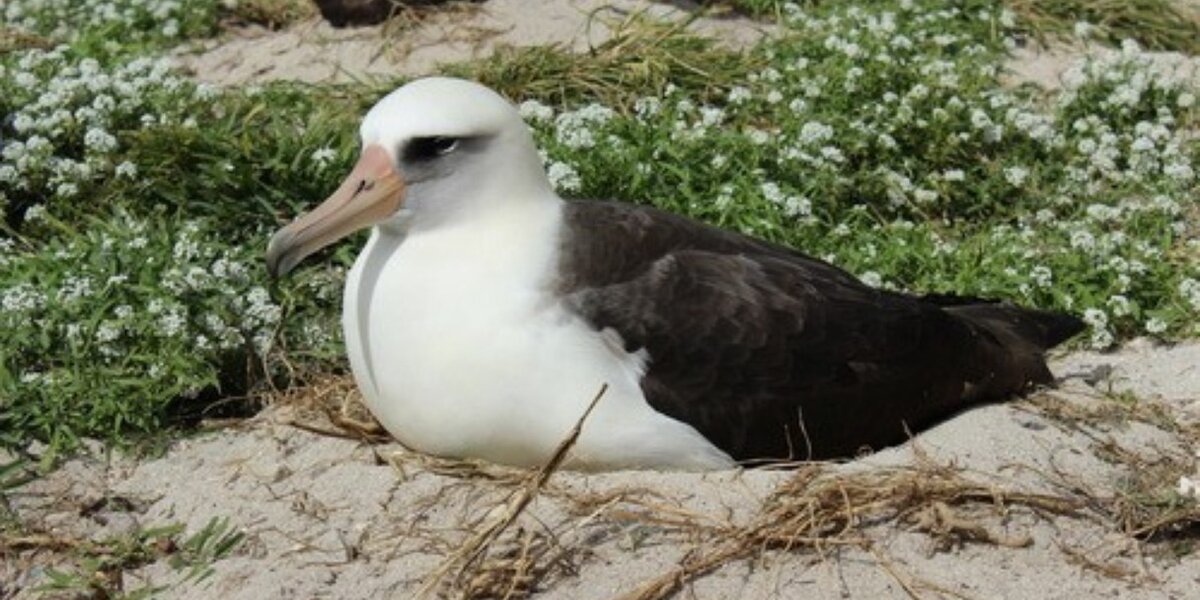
771,354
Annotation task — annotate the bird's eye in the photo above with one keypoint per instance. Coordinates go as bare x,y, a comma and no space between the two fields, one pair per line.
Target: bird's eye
428,148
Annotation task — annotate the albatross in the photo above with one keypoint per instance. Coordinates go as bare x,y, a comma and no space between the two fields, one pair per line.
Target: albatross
485,312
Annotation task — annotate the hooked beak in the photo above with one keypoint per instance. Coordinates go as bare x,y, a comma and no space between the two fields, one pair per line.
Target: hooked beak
371,193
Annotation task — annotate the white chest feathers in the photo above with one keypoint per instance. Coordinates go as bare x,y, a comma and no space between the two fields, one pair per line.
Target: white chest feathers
461,349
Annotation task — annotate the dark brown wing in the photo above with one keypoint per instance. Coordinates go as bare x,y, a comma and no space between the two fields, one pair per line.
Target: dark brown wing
771,354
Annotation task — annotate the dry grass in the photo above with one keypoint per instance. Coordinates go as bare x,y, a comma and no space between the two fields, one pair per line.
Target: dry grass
1087,411
330,405
813,512
816,509
478,575
1146,505
639,59
12,40
272,14
506,553
1156,24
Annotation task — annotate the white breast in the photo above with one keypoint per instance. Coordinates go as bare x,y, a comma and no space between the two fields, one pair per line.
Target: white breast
461,349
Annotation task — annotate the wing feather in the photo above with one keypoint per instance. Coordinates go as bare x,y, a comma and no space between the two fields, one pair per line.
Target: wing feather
769,353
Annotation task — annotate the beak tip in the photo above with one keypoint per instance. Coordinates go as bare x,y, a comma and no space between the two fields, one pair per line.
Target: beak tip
278,261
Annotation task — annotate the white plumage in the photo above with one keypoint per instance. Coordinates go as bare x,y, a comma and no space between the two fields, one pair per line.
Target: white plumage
455,336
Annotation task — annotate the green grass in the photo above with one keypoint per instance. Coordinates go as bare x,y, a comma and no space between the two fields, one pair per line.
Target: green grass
100,566
866,133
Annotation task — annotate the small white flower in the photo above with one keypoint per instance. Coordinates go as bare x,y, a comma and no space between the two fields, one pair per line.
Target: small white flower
67,190
1190,290
22,297
772,192
797,206
1008,19
710,116
1120,305
99,140
171,323
22,122
1102,339
126,169
832,154
532,110
1095,317
574,132
1179,171
872,279
1155,326
1083,240
107,332
647,107
814,132
1042,276
738,95
323,156
36,213
206,92
924,196
1016,176
564,177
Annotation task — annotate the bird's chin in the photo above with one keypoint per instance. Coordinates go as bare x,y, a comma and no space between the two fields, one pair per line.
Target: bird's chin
397,224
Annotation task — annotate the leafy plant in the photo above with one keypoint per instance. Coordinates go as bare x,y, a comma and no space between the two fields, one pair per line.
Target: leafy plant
101,565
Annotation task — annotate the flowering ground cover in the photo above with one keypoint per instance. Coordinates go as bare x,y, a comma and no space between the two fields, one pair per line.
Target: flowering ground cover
877,135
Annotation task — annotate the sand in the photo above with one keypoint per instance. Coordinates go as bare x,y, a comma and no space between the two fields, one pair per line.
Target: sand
331,517
315,52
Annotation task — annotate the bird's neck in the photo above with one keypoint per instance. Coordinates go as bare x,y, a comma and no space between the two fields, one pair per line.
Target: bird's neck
517,236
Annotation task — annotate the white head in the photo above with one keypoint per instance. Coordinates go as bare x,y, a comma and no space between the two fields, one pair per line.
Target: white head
435,151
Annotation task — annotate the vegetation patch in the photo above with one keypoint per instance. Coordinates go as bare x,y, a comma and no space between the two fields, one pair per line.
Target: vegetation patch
136,203
100,568
1156,24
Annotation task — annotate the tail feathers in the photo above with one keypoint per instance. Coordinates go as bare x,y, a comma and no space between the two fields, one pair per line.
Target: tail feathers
1044,329
1013,357
1052,328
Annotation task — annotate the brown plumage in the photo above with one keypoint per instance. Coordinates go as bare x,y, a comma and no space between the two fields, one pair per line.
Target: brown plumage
771,354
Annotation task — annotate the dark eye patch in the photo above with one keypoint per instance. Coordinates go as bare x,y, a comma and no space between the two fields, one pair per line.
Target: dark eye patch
423,149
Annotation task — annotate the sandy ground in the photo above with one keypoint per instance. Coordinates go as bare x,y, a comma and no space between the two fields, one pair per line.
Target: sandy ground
329,517
315,52
1046,66
332,517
